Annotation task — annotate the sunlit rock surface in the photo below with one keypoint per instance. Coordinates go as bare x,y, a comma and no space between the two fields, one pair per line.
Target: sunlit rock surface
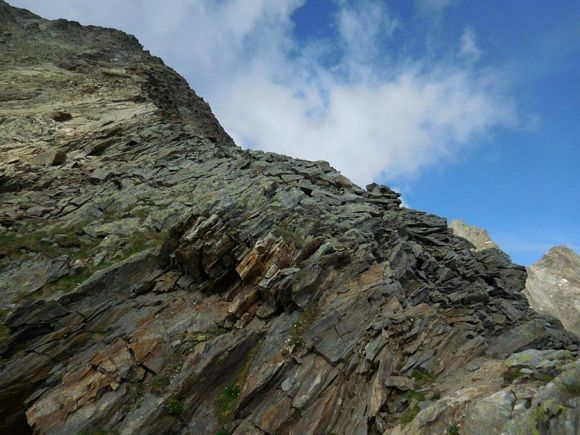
155,278
553,286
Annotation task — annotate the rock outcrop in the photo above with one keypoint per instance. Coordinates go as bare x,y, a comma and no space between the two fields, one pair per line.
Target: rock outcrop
553,286
156,278
477,236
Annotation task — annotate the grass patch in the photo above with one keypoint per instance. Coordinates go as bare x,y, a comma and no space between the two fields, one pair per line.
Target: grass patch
416,396
193,338
412,397
4,312
5,332
141,240
512,374
573,389
158,384
76,247
423,377
228,400
423,380
453,430
13,244
543,377
408,415
297,330
65,284
136,400
52,242
173,405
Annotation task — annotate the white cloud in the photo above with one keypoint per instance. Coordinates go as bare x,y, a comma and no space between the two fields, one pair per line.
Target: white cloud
468,47
361,27
368,114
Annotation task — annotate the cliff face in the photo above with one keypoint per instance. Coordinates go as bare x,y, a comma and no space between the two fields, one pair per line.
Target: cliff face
475,235
553,286
155,278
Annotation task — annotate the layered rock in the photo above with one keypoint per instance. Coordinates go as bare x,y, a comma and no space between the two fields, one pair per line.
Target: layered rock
477,236
156,278
553,286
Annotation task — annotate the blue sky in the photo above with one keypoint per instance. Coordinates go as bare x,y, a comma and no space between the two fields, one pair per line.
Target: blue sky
470,108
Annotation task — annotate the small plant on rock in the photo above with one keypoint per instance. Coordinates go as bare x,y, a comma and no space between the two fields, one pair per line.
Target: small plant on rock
453,429
173,405
226,402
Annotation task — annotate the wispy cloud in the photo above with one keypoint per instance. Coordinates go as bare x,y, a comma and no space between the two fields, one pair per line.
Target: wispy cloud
468,47
369,114
433,8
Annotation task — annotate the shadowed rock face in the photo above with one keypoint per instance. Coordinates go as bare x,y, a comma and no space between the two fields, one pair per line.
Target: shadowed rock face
155,278
553,286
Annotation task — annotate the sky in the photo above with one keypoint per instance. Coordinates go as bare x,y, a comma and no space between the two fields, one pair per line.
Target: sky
471,109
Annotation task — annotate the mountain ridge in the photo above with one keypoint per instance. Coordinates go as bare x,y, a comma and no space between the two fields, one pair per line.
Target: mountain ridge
158,279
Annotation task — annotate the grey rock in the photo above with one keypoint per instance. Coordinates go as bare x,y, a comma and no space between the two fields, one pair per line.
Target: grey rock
519,338
553,286
477,236
50,158
171,282
490,414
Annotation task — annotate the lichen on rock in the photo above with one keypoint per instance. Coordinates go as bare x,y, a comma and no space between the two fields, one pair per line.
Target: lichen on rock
156,278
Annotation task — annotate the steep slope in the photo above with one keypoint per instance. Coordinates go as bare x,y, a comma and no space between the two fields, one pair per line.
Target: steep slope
477,236
553,286
155,278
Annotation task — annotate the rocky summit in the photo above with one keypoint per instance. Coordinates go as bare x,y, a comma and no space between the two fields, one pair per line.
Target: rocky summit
157,279
553,286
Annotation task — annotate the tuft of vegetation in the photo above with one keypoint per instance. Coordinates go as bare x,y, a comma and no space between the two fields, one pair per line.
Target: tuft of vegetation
227,402
408,415
136,401
4,312
573,389
512,374
453,430
228,399
173,405
158,384
195,337
16,244
72,241
65,284
4,332
141,240
297,330
423,377
423,380
414,395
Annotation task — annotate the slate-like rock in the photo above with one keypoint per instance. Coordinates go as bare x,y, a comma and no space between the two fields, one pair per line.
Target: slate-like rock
162,280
